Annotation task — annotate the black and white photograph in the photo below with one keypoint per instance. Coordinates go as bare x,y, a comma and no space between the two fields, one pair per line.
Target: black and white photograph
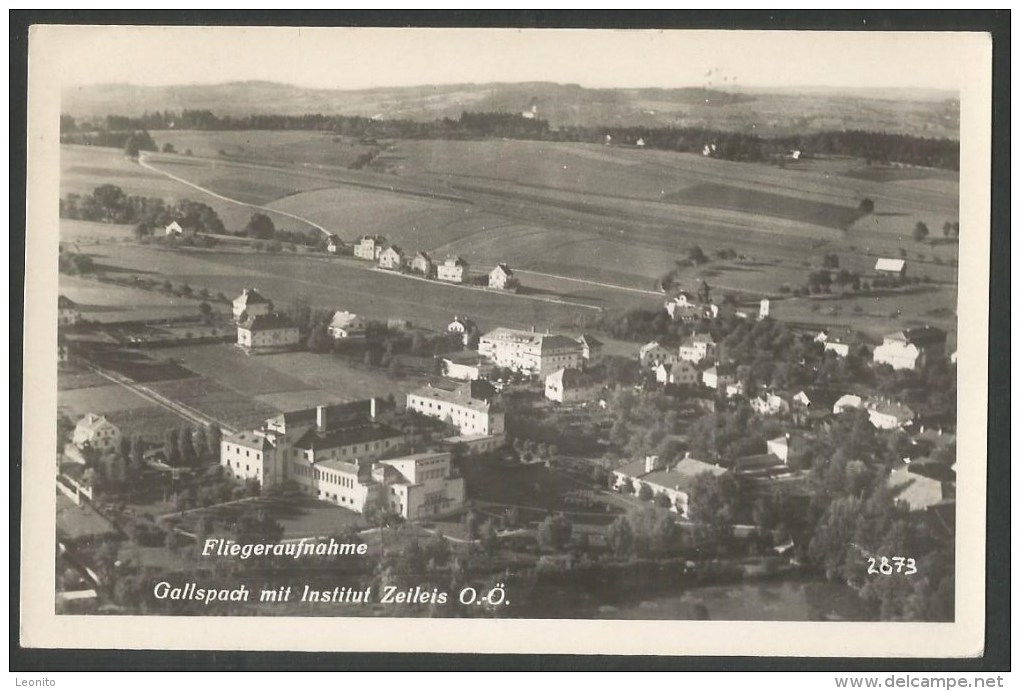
491,329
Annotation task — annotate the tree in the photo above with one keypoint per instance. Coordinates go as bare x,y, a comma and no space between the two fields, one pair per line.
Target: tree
396,369
168,148
137,451
471,522
489,540
554,532
257,526
205,309
920,231
713,503
866,206
947,229
260,226
132,147
620,537
187,446
318,340
214,435
171,446
697,255
645,493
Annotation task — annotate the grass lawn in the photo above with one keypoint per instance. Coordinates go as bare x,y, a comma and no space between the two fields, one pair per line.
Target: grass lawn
217,401
300,516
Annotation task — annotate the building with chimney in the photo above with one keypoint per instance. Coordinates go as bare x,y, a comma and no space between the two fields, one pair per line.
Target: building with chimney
251,304
529,352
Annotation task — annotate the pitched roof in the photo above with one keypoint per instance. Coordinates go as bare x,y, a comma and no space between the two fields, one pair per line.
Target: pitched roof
250,439
504,268
570,378
342,319
887,407
457,397
250,296
589,340
345,436
455,261
885,264
92,422
917,491
266,322
681,476
65,303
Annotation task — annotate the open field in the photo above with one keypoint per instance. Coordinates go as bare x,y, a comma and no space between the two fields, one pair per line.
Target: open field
105,302
599,215
130,412
301,148
300,516
216,400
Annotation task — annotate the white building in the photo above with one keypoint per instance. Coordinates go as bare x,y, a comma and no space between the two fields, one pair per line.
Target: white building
391,258
463,326
676,483
501,277
697,348
653,354
591,348
779,447
267,332
891,267
569,386
466,366
685,308
846,402
472,416
530,352
453,270
769,404
911,348
886,414
370,247
250,303
96,432
346,325
719,376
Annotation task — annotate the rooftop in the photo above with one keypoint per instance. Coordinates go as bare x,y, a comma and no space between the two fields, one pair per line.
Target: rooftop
345,436
458,397
250,296
250,439
266,322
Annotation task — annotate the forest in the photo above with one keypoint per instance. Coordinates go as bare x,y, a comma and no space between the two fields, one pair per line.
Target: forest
874,147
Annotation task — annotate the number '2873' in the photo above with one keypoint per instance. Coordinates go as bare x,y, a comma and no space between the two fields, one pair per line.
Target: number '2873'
887,566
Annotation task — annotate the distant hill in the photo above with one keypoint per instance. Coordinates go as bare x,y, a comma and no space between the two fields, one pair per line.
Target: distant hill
760,111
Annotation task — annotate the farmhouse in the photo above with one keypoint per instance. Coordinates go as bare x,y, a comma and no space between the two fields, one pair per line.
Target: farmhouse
472,416
529,352
719,376
391,258
453,270
267,333
653,354
838,343
697,348
502,278
96,432
912,348
591,347
463,326
422,264
370,247
676,482
891,267
175,229
685,308
334,245
769,404
250,303
466,366
346,325
67,312
570,385
681,373
886,414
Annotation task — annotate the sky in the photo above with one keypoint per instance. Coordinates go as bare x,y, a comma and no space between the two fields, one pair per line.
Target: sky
342,58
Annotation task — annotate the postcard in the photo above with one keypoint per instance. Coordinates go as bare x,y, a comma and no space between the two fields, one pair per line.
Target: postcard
496,340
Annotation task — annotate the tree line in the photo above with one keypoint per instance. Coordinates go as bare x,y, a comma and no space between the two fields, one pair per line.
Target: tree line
874,147
109,204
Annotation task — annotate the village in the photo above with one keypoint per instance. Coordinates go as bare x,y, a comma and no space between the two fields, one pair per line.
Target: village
441,454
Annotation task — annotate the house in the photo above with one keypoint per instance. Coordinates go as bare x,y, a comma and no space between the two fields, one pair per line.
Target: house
251,304
916,490
466,366
840,348
422,264
720,376
175,229
685,308
453,270
676,483
779,447
470,415
891,267
267,333
886,414
640,142
697,348
96,432
763,309
370,247
463,326
392,258
346,325
502,278
680,373
334,245
911,348
769,404
529,352
570,386
846,402
591,348
653,354
67,312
